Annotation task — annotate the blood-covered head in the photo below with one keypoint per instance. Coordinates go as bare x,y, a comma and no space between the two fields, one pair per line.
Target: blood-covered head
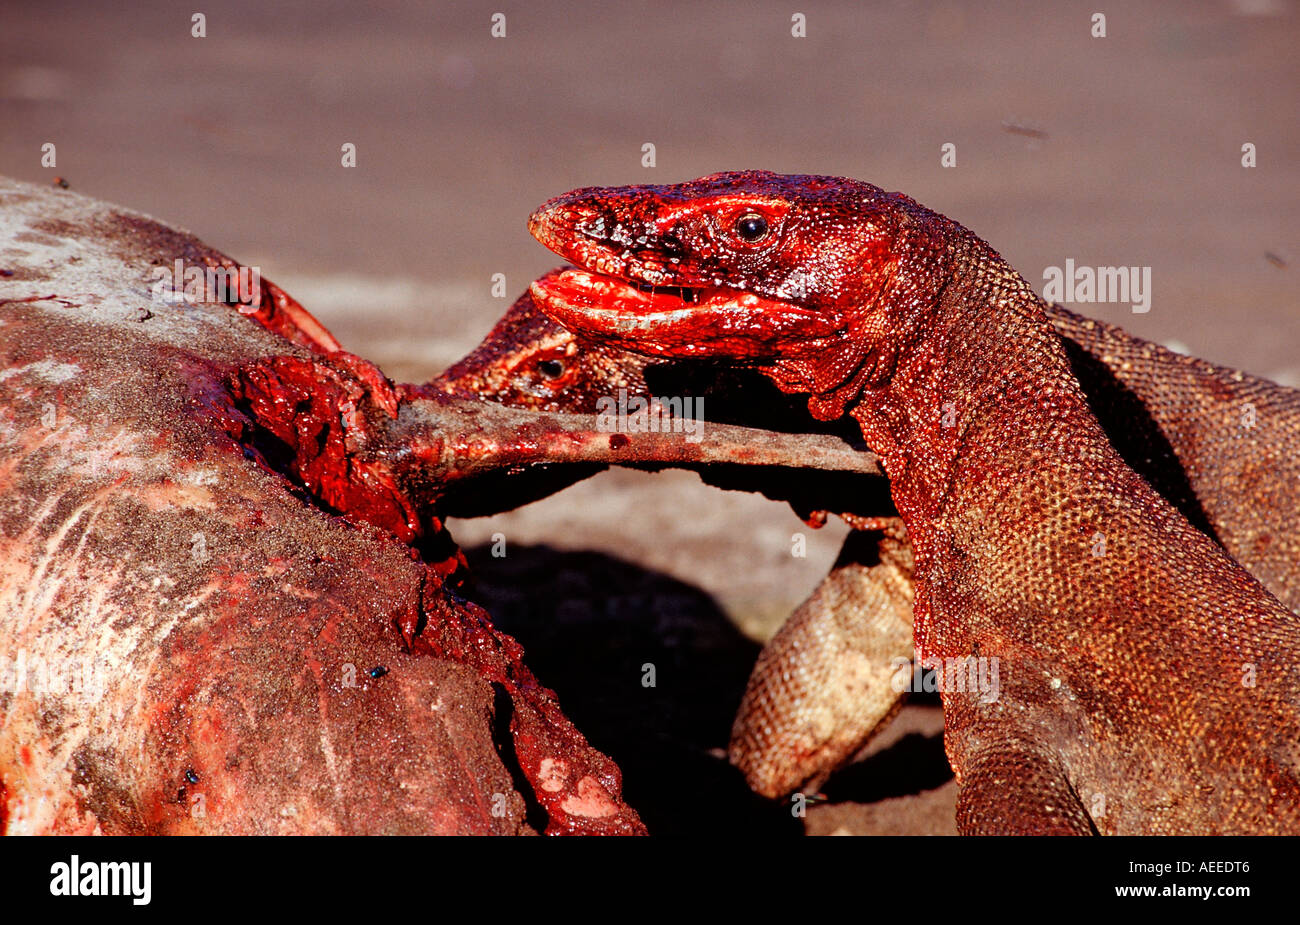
528,360
814,274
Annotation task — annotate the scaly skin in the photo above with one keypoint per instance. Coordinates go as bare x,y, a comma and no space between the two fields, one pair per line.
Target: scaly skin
823,686
1148,683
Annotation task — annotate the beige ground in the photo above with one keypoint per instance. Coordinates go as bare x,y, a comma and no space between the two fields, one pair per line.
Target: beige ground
460,135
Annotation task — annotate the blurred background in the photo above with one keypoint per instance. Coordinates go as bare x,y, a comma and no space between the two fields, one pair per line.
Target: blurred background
1124,150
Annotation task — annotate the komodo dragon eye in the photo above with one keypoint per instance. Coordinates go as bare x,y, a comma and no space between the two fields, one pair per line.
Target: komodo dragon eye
751,227
551,369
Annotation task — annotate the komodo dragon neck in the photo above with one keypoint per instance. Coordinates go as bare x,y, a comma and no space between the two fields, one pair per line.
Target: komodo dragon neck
982,428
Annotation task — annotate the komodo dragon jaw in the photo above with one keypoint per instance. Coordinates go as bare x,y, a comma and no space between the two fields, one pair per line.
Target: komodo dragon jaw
729,279
1123,634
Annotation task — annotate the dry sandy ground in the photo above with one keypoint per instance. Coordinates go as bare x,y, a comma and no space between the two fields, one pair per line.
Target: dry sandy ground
1134,159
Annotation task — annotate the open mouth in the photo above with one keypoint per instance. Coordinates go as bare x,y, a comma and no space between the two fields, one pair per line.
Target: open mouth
680,320
689,296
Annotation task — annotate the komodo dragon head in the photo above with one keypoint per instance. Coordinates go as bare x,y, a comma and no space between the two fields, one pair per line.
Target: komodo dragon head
810,277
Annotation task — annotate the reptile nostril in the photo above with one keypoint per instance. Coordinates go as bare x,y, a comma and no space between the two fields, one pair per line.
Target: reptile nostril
594,228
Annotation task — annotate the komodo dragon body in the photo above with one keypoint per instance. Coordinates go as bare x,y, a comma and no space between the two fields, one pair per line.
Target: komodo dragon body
1148,683
828,680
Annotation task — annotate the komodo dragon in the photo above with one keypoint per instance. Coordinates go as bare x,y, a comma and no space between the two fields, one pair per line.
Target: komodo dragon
1149,684
826,682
